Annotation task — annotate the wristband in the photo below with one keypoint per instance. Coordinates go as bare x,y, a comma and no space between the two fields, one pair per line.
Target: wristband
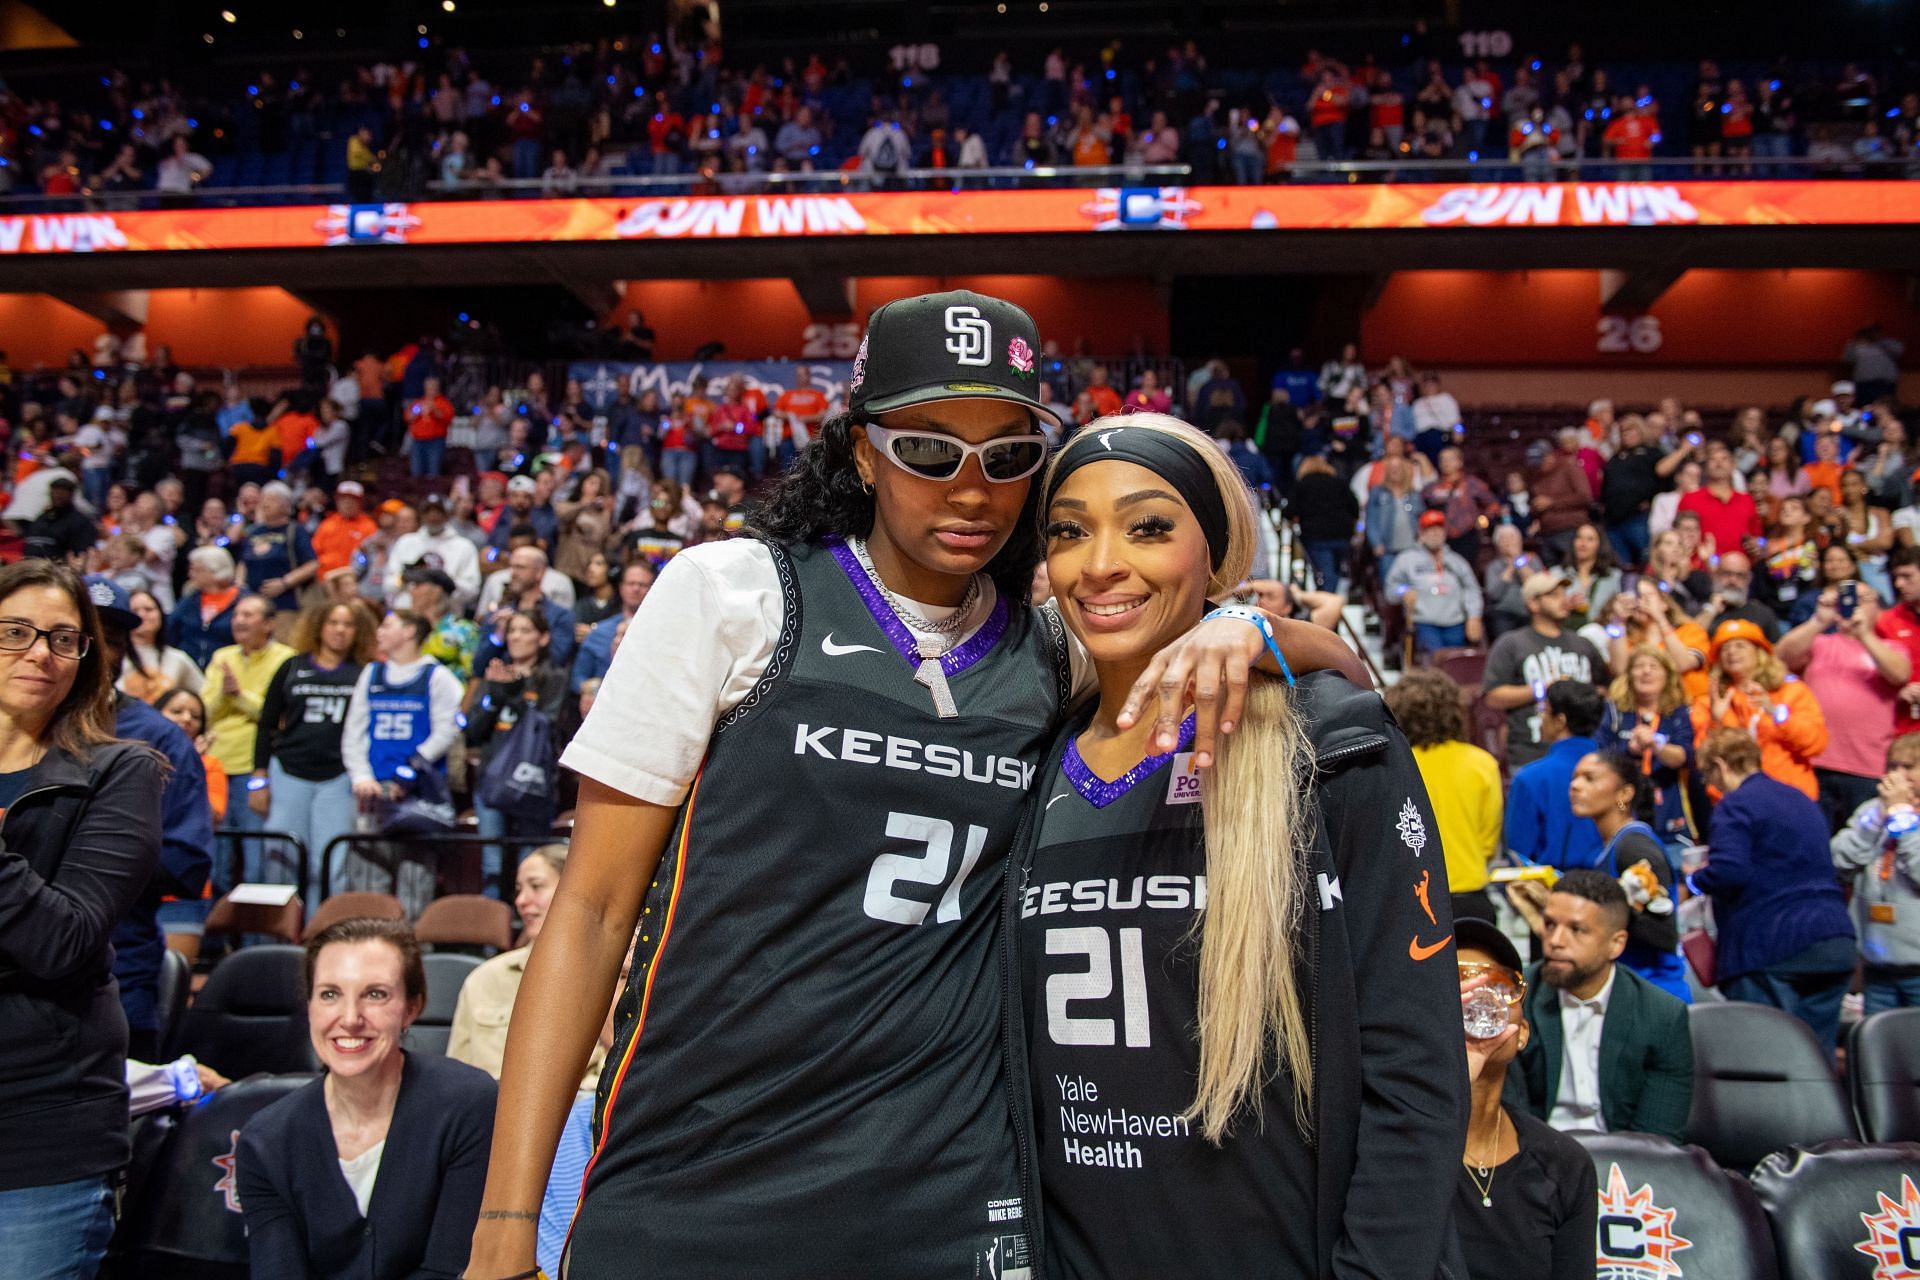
256,784
1692,888
184,1079
1259,621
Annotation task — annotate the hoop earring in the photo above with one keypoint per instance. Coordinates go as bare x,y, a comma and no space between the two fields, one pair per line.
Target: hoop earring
866,487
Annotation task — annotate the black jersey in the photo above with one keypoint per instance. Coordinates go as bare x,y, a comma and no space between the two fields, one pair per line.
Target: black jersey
301,717
1109,953
808,1077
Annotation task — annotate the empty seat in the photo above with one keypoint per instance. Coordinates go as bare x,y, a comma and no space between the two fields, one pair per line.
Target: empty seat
252,1015
181,1217
1883,1065
1467,667
446,972
352,906
228,916
466,920
1662,1203
1760,1084
1843,1209
170,999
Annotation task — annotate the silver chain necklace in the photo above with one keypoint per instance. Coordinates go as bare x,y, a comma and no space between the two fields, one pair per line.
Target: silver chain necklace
927,669
947,626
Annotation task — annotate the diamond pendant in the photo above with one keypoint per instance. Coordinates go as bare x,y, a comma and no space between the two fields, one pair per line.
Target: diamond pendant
1487,1201
931,674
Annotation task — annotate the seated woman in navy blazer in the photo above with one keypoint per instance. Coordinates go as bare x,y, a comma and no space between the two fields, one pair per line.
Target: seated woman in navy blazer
374,1170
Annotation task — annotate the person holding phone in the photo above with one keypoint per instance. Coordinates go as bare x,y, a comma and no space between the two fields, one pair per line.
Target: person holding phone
1856,675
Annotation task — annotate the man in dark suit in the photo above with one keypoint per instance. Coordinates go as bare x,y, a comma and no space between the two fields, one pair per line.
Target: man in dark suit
1610,1050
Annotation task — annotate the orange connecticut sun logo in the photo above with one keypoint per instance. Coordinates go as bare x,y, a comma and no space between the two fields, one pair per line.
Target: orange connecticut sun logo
1636,1239
1893,1235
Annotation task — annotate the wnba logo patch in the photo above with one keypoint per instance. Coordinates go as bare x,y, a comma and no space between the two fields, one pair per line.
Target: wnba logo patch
1635,1239
972,336
1005,1259
1183,787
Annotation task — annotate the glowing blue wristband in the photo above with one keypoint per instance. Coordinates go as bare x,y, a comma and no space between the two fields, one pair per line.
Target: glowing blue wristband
1259,621
184,1079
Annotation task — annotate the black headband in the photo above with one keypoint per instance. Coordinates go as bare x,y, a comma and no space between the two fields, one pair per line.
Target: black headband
1168,457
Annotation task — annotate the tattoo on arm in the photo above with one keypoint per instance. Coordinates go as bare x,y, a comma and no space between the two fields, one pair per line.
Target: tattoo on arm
510,1215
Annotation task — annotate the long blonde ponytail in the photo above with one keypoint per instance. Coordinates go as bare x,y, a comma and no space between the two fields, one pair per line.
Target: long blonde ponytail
1252,1020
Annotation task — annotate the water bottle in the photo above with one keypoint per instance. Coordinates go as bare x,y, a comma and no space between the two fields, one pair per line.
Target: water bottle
1485,1013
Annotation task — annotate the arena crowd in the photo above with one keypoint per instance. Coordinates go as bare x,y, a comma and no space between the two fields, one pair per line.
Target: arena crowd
1659,678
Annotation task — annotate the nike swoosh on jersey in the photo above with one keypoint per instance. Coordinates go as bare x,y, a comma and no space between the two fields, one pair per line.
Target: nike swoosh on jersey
1419,952
1056,800
832,650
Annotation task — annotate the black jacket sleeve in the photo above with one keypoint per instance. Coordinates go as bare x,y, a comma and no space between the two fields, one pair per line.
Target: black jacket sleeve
486,712
56,929
1412,1063
273,708
276,1244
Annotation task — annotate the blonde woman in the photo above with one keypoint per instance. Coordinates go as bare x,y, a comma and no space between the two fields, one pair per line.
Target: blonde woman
1649,716
1252,962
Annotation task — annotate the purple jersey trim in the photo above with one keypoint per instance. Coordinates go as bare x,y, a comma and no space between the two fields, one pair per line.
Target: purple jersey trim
1100,793
958,659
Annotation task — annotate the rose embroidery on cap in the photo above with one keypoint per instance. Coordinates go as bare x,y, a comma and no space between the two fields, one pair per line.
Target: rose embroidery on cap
859,366
1020,356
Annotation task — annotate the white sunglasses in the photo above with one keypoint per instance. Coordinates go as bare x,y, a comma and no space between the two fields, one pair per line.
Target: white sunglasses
933,456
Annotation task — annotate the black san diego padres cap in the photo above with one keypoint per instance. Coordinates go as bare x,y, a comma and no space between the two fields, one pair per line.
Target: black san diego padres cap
946,346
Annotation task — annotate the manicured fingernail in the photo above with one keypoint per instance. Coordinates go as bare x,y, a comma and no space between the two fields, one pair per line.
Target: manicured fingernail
1226,726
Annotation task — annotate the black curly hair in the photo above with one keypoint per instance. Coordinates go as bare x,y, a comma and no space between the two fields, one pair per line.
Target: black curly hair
821,495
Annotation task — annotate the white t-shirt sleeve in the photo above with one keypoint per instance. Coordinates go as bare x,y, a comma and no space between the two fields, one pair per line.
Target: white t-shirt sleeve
700,642
356,740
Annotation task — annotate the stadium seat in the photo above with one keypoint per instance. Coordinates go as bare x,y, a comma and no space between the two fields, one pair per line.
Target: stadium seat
1842,1210
1760,1085
446,972
181,1216
252,1015
1883,1066
1467,666
350,906
1665,1203
231,917
466,920
170,1000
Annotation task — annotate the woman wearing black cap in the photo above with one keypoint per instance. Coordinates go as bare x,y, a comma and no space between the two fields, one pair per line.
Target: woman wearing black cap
800,781
1243,1056
1526,1199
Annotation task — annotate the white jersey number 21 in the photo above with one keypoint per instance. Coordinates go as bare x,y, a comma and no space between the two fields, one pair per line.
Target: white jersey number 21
934,838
